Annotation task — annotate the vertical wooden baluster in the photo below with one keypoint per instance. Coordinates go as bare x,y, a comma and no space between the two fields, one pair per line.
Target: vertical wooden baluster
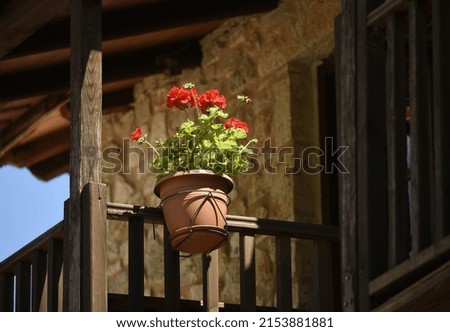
39,273
23,286
6,292
419,94
323,276
171,275
55,262
136,264
396,85
211,281
441,103
247,272
284,273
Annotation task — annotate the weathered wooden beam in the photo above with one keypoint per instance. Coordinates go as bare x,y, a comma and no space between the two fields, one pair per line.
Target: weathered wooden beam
150,17
40,149
28,122
117,67
21,18
94,280
85,133
51,167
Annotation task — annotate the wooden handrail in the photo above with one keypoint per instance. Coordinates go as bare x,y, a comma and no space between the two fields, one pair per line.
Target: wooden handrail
24,254
303,229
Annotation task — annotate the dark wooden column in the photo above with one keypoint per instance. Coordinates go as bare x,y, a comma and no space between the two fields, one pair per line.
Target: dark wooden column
85,133
441,102
345,30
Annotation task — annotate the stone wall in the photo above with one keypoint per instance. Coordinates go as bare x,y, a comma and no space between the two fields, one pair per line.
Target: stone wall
272,58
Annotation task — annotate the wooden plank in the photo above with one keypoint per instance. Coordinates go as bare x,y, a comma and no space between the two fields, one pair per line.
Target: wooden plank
85,131
323,277
211,281
412,269
23,287
419,91
6,292
39,273
136,264
55,262
24,18
247,272
94,280
380,14
284,273
441,104
345,35
396,84
171,275
431,293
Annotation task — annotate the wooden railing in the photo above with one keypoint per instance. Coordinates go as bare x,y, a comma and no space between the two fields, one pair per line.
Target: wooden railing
247,227
393,79
30,278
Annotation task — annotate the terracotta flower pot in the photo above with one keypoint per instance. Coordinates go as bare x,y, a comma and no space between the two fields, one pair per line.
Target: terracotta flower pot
195,205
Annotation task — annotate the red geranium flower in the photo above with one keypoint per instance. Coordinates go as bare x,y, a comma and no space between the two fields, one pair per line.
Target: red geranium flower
136,134
211,98
180,97
235,123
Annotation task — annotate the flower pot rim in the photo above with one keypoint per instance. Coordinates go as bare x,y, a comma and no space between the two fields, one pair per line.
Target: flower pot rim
202,172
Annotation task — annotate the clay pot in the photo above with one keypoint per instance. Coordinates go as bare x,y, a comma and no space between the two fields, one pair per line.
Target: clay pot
195,205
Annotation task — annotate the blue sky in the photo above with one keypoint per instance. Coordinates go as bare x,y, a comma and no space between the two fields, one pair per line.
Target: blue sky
28,207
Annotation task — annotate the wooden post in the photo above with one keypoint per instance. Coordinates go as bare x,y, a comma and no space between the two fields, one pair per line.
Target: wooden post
345,29
94,283
211,281
85,133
